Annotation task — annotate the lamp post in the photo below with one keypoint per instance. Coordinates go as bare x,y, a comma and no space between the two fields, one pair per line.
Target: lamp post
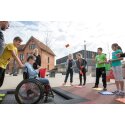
85,50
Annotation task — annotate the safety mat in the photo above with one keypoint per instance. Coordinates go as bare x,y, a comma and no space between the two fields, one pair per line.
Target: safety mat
106,93
98,89
122,100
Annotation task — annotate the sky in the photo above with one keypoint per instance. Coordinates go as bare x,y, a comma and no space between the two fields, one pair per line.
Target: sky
59,33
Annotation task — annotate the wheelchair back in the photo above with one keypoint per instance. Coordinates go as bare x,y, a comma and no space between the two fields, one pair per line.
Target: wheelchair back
25,73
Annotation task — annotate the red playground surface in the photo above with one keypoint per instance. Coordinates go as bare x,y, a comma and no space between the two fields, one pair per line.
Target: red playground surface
93,95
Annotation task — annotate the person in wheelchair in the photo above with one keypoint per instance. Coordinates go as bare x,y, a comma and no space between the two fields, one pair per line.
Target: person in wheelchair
33,74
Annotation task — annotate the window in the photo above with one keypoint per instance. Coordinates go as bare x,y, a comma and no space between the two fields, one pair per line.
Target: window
28,54
21,56
32,46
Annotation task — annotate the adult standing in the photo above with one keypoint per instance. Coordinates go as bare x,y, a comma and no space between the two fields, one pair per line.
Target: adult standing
70,64
82,67
37,63
3,26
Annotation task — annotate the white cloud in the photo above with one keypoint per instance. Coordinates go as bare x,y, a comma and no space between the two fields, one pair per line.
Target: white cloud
97,34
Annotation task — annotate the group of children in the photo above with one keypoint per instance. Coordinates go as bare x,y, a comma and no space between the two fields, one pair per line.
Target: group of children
101,61
9,51
81,65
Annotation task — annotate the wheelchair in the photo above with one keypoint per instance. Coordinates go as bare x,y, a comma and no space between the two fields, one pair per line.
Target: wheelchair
31,91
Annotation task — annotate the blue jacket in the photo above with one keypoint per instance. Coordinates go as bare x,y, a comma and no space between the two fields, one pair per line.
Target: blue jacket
32,72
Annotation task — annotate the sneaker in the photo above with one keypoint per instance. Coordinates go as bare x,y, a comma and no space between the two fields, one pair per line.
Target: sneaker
80,84
116,92
63,84
71,84
121,94
104,89
84,84
95,87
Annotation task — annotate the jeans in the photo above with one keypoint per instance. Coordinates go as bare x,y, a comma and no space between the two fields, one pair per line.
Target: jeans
43,80
84,76
69,71
101,72
2,75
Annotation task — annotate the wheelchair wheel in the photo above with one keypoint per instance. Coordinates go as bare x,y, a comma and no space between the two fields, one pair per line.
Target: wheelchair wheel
29,91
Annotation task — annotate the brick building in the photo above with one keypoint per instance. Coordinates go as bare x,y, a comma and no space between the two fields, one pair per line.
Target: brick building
47,55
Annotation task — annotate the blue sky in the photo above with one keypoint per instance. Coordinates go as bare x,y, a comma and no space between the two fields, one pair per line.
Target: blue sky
97,34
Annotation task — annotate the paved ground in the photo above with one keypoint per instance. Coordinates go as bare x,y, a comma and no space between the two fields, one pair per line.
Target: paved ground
12,81
86,92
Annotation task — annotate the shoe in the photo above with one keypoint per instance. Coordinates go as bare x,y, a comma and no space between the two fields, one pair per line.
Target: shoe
80,84
95,87
71,84
116,92
104,89
84,84
63,84
121,94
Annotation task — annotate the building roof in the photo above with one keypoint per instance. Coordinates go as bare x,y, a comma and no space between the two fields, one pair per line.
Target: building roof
43,46
39,43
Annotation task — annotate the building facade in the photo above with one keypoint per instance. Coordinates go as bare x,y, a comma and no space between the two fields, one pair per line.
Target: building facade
60,63
47,55
89,56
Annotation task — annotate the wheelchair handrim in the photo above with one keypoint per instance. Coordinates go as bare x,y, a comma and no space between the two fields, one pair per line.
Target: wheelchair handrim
28,92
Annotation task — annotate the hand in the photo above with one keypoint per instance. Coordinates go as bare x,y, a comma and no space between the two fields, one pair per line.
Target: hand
82,67
109,61
22,66
98,62
40,67
81,72
118,55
